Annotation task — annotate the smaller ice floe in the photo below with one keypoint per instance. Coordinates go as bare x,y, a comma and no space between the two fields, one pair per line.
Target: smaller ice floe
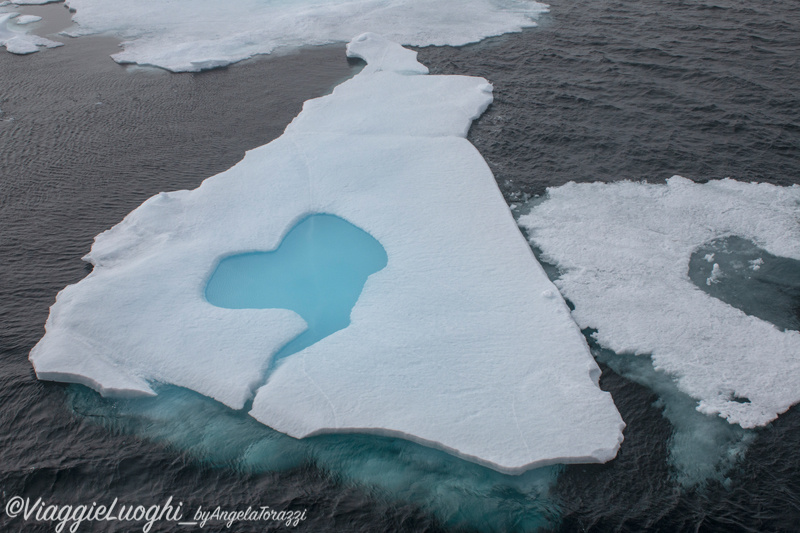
33,2
27,19
451,335
193,35
624,251
16,39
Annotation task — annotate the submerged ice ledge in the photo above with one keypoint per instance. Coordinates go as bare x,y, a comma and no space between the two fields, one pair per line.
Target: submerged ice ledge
459,342
624,251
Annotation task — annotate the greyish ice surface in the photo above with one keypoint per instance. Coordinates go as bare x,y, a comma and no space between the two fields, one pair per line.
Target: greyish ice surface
624,251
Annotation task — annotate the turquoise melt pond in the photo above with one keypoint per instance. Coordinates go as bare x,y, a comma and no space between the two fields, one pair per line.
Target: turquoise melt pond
317,271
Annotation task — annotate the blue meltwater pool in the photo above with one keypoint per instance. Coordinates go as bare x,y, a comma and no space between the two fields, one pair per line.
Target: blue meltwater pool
317,271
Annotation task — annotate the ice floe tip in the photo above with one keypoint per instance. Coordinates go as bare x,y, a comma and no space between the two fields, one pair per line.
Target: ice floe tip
382,54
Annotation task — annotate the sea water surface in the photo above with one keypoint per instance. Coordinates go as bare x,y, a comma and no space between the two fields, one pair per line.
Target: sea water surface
599,91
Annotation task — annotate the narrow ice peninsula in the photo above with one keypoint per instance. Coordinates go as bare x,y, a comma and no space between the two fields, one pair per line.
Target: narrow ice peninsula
624,251
458,339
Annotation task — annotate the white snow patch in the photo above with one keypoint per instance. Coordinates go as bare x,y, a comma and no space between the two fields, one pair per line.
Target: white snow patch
755,264
624,250
451,345
193,35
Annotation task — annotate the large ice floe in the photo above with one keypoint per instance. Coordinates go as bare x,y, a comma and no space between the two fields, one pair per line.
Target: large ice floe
664,270
458,339
192,35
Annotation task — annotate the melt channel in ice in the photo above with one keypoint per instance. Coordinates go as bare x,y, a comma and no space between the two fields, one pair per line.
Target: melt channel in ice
624,252
192,35
459,342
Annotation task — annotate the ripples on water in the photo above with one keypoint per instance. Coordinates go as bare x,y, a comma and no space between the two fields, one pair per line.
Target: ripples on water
601,90
642,90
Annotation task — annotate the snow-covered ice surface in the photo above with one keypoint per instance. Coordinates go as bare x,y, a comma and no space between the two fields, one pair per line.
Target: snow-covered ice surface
192,35
460,342
623,250
16,38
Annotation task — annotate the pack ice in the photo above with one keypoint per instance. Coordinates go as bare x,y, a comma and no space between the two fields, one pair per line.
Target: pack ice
460,342
192,35
624,250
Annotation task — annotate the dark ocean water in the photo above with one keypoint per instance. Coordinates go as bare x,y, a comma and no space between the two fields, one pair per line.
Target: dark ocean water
608,90
601,90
